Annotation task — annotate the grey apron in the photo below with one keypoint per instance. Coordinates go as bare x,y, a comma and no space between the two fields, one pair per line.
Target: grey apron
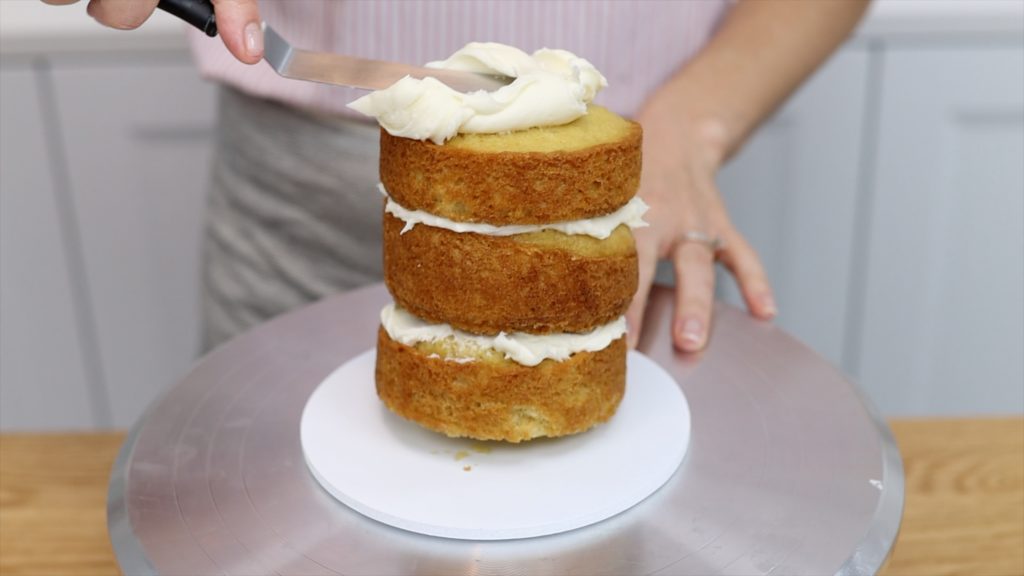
294,214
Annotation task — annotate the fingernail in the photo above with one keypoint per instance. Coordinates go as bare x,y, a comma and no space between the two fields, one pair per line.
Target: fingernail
631,335
768,304
692,331
254,39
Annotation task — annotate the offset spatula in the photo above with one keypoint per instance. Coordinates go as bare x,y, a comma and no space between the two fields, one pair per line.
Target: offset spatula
329,68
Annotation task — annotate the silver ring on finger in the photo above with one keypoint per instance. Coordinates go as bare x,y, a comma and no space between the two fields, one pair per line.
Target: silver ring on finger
712,243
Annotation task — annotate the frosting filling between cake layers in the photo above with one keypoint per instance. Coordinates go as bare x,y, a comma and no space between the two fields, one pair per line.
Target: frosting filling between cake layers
600,227
519,347
551,87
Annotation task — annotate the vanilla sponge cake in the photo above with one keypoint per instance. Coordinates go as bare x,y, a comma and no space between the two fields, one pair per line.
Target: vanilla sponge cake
555,280
460,387
583,169
507,248
540,282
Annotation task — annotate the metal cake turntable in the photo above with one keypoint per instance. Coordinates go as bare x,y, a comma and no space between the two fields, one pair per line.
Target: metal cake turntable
787,472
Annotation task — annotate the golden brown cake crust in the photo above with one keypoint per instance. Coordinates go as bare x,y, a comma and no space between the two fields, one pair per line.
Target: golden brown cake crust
488,284
504,188
501,400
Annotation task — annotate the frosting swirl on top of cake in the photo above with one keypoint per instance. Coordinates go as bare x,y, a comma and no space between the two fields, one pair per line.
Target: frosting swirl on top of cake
551,87
520,347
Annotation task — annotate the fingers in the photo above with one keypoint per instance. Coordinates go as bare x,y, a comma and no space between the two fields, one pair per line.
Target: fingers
695,289
746,267
121,14
647,262
238,24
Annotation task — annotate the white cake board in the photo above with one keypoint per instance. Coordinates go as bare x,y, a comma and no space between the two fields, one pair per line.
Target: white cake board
405,476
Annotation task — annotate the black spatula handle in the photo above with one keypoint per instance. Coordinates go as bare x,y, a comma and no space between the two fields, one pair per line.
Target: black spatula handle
198,13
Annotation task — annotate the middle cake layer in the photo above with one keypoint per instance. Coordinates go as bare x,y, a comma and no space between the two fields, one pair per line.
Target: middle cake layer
540,282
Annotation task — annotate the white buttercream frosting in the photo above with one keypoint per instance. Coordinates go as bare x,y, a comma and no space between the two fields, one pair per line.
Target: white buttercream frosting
520,347
551,87
600,227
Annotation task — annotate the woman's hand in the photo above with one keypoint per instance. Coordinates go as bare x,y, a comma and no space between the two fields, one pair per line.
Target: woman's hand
681,159
760,53
238,21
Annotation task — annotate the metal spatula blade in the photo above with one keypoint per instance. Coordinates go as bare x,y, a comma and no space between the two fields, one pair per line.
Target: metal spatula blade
329,68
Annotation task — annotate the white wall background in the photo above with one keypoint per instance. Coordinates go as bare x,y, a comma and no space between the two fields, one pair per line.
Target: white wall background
887,200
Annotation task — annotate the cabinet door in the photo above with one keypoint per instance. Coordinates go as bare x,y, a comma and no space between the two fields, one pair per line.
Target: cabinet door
943,319
44,379
138,144
792,192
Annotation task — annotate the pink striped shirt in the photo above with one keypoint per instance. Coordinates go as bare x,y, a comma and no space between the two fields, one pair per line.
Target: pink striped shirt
636,45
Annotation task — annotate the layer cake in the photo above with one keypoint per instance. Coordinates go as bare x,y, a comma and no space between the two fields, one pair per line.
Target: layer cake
510,259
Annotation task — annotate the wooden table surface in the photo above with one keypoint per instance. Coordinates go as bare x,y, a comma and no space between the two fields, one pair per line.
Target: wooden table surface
964,508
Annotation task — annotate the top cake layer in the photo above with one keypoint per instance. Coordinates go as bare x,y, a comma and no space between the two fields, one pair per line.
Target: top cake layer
583,169
531,152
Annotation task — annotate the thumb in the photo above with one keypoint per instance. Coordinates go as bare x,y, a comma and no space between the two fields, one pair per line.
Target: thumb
238,24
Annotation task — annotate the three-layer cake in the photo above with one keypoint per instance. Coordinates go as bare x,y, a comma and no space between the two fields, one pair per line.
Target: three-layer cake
511,262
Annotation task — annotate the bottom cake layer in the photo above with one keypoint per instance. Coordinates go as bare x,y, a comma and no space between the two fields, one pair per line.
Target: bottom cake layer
487,397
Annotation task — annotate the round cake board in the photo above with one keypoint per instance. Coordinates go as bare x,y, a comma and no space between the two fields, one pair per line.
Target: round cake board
403,475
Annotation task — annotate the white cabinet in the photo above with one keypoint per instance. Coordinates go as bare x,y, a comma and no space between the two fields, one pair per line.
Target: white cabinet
792,192
943,322
105,163
137,134
45,379
887,203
